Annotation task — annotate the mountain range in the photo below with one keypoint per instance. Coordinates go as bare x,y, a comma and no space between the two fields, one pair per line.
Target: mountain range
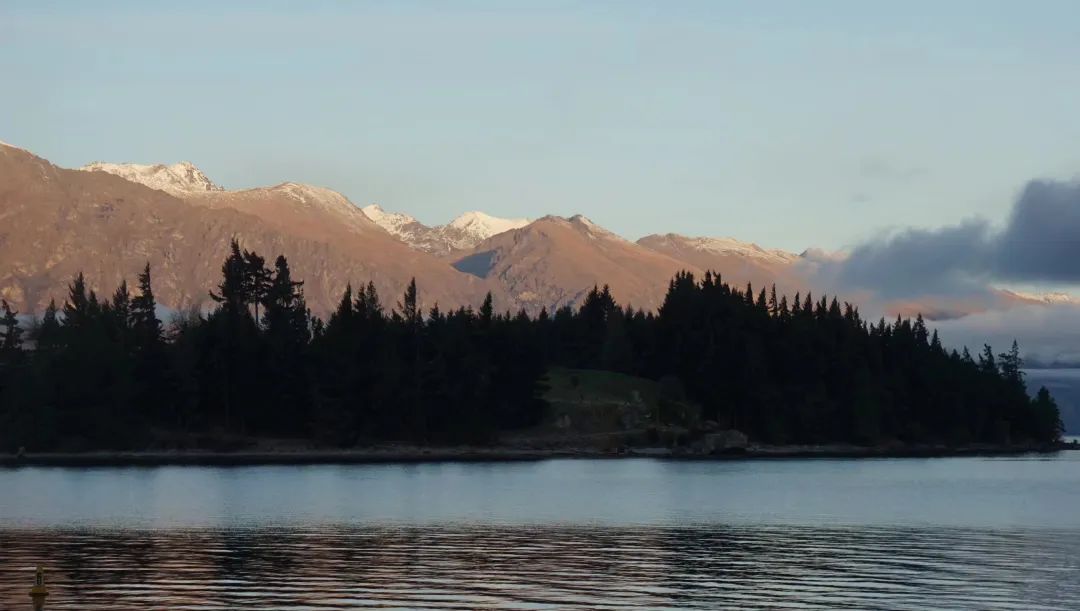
108,219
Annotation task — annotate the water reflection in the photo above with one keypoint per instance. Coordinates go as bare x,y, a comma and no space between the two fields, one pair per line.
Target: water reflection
545,567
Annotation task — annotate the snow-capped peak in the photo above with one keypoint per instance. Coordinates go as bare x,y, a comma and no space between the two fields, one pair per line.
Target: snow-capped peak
483,226
462,233
178,179
396,223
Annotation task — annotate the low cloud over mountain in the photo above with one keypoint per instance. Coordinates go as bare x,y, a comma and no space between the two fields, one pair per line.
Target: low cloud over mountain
1039,243
952,274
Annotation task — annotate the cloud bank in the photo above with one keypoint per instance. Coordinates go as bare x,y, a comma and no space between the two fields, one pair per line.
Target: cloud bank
1049,335
949,274
1040,242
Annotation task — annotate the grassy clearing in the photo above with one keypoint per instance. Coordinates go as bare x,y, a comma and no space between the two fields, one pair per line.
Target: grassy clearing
589,401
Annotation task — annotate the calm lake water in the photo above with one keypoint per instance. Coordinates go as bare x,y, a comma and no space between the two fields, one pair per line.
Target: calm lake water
950,533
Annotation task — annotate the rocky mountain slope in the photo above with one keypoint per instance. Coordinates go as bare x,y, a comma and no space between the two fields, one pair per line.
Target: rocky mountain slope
56,222
555,261
178,179
738,262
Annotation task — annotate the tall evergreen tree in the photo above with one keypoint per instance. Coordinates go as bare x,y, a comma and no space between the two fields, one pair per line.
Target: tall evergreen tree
11,334
144,321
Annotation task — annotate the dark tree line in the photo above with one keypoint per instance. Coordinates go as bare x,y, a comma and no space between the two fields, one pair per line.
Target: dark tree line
106,373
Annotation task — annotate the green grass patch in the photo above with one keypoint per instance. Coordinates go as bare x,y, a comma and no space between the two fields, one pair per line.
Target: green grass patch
593,401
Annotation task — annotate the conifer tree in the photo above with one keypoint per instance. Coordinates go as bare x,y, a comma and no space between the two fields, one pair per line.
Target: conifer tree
145,324
78,309
410,311
47,334
234,289
487,311
11,335
1011,364
257,281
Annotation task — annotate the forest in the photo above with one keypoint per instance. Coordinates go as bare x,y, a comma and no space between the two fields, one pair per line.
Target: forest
107,373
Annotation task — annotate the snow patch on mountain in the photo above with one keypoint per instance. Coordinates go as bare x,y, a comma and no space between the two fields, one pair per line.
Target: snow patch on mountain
312,196
746,249
1055,298
177,179
12,146
396,223
592,229
483,225
731,246
462,233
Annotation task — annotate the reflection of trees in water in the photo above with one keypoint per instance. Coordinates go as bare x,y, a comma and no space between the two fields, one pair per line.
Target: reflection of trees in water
543,567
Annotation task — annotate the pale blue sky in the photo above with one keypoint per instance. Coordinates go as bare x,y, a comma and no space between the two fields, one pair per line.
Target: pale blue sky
792,124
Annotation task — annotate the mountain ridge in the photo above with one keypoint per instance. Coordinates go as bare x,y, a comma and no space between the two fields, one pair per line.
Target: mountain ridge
59,222
463,232
186,227
177,179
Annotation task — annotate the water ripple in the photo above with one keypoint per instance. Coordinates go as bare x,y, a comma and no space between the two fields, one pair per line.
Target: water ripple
549,567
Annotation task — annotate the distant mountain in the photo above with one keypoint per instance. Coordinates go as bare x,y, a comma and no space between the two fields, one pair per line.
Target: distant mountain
474,227
737,262
706,249
177,179
462,233
1042,298
555,261
57,222
313,212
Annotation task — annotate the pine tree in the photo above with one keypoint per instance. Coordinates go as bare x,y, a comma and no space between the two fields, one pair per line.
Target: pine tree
1047,426
986,360
1011,364
966,356
234,289
285,321
78,309
342,319
120,311
47,334
257,281
11,336
487,311
145,324
410,311
286,318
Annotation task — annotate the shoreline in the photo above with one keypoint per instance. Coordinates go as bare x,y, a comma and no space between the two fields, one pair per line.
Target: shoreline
414,455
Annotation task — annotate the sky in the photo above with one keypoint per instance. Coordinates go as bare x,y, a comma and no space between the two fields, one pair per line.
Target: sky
791,124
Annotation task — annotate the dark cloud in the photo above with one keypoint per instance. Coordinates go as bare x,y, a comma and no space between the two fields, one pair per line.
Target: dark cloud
919,262
1039,243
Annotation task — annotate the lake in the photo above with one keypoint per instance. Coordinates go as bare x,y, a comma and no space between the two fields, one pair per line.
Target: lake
944,533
